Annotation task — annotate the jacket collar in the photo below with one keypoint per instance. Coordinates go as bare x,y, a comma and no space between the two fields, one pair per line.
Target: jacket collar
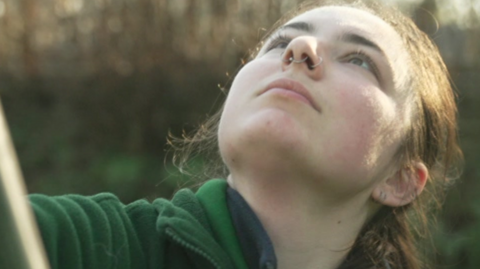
200,223
213,198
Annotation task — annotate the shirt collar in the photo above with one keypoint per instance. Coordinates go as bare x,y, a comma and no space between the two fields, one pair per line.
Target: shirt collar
255,243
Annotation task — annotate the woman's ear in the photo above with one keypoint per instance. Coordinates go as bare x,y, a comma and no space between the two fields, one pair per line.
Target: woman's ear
402,187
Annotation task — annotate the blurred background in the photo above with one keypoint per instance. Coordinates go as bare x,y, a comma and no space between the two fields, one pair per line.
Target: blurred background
91,90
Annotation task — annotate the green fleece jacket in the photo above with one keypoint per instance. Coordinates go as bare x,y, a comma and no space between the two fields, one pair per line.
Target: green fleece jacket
190,231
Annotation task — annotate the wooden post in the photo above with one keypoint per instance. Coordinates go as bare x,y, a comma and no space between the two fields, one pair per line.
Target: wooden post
20,243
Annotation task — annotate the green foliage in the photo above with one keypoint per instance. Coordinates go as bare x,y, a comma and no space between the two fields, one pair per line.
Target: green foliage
459,247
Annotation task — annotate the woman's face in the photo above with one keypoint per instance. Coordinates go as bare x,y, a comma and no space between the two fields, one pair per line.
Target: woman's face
339,123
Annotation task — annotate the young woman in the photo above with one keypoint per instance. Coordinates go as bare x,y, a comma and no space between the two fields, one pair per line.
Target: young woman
335,138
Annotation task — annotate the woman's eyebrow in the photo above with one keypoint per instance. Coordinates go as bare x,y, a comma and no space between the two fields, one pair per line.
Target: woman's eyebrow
360,40
302,26
347,37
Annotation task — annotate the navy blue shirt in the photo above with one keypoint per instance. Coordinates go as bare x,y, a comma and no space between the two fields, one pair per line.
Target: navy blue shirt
255,243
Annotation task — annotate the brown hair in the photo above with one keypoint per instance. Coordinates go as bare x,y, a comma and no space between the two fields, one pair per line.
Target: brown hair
392,236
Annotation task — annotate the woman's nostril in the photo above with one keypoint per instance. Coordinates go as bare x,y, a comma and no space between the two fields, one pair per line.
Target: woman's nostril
310,63
287,55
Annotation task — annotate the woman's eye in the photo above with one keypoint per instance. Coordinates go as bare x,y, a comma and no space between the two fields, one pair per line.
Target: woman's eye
279,45
278,42
364,61
360,62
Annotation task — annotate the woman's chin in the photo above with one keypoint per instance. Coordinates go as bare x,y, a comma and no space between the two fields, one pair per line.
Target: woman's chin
269,134
274,128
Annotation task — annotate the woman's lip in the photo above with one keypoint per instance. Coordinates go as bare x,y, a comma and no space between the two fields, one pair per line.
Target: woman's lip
295,87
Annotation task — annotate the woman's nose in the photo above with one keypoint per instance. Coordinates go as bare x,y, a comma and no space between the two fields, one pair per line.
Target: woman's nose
302,54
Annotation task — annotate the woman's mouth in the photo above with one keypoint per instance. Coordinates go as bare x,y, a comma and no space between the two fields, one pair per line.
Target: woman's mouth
291,89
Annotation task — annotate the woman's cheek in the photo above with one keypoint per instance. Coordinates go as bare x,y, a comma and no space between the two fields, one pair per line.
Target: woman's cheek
367,118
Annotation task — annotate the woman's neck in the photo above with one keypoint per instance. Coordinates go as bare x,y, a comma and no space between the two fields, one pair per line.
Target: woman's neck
307,230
